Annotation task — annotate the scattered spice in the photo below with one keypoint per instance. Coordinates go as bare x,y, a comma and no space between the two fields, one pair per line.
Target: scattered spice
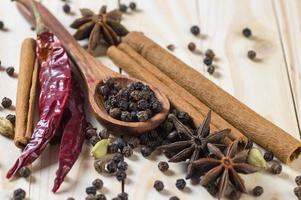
111,167
123,196
66,8
91,190
90,132
24,172
247,32
123,166
1,25
133,142
104,133
235,195
70,198
118,157
194,144
174,198
297,191
255,158
158,185
268,156
99,165
133,5
276,168
97,27
251,54
120,175
180,184
90,197
19,194
10,71
191,46
6,127
100,197
211,69
11,118
123,8
171,47
127,151
112,148
207,61
257,191
6,102
225,167
195,30
97,183
146,151
209,54
298,180
94,140
100,148
163,166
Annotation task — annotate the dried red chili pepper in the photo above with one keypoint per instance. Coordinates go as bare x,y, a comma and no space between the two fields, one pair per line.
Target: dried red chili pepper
54,79
73,135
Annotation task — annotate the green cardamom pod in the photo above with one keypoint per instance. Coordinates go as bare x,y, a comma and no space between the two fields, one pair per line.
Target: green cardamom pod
100,148
255,158
6,128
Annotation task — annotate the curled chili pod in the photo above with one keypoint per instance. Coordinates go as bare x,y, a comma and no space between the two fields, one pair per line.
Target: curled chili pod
73,135
54,80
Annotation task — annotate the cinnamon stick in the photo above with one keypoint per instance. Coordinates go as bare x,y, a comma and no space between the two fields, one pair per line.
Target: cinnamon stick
26,91
134,68
251,124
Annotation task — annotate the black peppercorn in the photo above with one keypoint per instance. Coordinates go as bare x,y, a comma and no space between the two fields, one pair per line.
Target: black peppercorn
183,117
133,5
142,116
133,142
123,196
257,191
297,191
133,106
93,140
100,197
104,90
104,133
276,168
120,175
211,69
11,118
90,132
156,106
163,166
1,25
118,157
123,7
180,184
191,46
123,105
6,102
66,8
116,198
247,32
126,116
158,185
24,172
146,151
120,143
174,198
91,190
195,30
171,47
70,198
112,148
115,113
298,180
99,165
127,151
19,194
173,136
235,195
207,61
10,71
97,183
268,156
209,54
142,104
123,166
251,54
111,167
249,144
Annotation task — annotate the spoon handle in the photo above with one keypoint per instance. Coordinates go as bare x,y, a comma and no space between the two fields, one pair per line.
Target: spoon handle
91,69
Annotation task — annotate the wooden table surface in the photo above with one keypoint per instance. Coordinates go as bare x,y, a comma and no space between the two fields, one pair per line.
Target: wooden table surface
270,86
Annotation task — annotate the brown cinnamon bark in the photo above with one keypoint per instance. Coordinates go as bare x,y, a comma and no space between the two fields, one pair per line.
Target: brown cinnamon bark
137,66
26,92
251,124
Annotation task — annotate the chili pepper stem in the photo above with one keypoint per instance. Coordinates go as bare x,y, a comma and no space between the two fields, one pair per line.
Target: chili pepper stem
40,26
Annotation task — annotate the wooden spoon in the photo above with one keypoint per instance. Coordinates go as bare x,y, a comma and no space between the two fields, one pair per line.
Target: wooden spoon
93,73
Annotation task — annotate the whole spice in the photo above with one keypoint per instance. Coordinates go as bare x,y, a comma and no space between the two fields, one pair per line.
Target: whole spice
163,166
97,183
268,156
100,148
251,54
257,191
209,54
6,102
297,192
146,151
24,172
191,46
211,69
19,194
90,197
193,145
100,197
104,133
1,25
127,151
133,5
122,166
111,167
123,196
158,185
225,167
6,127
112,148
91,190
91,132
11,118
118,157
94,140
10,71
133,142
276,168
55,80
212,189
120,175
73,134
174,198
249,144
70,198
247,32
123,7
255,158
171,47
180,184
207,61
235,195
97,27
298,180
195,30
66,8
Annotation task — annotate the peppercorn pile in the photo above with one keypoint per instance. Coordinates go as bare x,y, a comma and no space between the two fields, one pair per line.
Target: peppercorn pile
135,102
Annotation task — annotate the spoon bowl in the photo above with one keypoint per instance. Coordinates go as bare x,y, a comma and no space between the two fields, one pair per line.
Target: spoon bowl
93,73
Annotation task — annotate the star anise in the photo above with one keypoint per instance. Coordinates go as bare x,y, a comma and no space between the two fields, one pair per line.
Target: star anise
193,144
224,168
97,27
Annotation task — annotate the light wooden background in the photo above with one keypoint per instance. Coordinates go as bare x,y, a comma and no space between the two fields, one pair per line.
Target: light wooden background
270,86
